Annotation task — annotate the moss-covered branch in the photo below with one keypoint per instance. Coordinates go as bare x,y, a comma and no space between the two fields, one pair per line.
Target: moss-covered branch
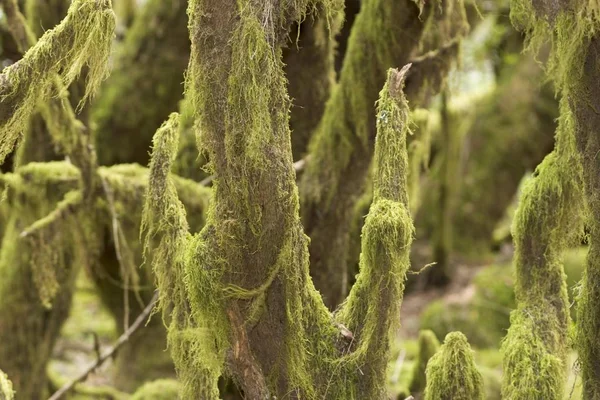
386,240
385,34
83,39
428,346
573,65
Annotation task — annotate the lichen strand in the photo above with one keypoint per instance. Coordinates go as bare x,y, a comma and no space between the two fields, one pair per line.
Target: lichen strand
43,238
384,34
386,240
83,39
196,348
145,84
428,346
452,373
546,222
6,388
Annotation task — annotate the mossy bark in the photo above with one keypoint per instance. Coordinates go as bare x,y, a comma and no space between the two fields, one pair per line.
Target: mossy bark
145,85
585,111
235,305
384,34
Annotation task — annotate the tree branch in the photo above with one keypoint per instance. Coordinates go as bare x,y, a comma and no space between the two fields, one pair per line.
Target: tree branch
109,352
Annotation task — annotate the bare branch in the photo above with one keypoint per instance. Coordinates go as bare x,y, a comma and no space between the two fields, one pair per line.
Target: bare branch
108,353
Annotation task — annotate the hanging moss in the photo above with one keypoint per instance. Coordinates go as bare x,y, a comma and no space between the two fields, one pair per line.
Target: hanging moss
6,389
428,346
83,39
451,372
145,85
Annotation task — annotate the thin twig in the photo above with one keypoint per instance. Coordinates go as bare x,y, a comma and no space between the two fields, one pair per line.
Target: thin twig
109,352
115,233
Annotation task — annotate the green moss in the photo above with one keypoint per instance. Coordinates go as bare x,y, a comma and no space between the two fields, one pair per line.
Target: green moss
428,346
83,39
451,372
6,389
163,389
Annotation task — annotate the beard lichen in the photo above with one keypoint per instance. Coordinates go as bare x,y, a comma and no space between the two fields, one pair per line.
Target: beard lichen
82,39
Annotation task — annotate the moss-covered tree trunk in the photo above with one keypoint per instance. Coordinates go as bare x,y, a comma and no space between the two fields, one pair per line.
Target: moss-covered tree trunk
38,262
238,295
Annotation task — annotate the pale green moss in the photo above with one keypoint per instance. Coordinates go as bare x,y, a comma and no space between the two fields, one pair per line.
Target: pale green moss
451,372
83,39
6,389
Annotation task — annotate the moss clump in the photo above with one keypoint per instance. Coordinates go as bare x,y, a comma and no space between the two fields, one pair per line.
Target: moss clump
451,372
6,389
428,346
162,389
83,39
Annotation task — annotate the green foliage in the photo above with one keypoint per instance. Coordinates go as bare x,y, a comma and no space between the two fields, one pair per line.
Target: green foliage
428,346
83,39
451,372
